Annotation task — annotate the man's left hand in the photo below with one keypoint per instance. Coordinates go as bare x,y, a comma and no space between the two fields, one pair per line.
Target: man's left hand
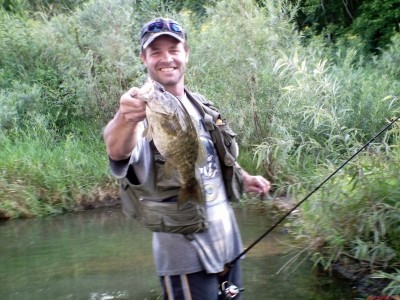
256,184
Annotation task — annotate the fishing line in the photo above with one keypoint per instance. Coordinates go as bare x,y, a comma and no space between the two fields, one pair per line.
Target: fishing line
312,192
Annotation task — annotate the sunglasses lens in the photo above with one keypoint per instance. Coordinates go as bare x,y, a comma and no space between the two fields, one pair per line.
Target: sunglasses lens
175,27
155,27
163,26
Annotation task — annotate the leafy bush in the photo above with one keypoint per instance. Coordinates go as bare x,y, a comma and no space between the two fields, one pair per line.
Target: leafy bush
232,57
80,62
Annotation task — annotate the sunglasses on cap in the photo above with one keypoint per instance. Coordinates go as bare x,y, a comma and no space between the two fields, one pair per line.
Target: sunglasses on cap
159,26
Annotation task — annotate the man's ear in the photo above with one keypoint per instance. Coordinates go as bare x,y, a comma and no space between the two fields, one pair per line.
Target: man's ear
187,55
143,58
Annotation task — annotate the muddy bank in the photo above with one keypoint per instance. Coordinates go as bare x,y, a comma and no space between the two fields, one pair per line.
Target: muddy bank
361,277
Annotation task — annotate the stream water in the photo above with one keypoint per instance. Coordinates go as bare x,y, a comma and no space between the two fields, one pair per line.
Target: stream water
99,254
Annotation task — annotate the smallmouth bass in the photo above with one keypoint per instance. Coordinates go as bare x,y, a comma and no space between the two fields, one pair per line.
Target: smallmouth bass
175,136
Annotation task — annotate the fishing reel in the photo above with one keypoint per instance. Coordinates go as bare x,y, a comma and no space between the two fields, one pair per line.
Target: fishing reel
228,291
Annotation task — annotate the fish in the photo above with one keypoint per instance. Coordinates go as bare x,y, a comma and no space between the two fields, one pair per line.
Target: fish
176,137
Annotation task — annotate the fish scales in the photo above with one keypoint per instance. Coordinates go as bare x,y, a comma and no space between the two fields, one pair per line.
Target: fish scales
174,134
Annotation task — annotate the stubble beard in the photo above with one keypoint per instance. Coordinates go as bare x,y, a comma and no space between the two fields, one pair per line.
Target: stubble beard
169,82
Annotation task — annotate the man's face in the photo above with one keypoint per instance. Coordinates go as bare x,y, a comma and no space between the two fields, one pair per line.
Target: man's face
165,59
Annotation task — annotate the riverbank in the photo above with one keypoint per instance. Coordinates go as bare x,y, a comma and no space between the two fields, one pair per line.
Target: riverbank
361,278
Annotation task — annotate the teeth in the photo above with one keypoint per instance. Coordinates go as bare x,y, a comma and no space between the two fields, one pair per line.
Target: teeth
167,69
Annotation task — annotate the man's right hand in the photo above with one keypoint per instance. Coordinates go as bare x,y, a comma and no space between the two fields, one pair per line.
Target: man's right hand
122,132
131,108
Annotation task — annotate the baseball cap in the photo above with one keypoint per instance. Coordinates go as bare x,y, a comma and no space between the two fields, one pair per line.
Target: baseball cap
158,27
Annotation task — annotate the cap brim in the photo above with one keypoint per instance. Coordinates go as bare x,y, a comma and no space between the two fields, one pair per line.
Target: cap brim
158,34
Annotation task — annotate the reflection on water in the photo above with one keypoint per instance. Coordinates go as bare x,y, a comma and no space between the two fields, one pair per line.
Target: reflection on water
99,255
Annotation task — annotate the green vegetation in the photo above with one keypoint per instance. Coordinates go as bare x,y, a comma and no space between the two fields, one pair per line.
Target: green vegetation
346,20
301,108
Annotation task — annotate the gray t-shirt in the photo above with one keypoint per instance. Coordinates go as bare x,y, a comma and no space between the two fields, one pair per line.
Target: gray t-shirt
210,250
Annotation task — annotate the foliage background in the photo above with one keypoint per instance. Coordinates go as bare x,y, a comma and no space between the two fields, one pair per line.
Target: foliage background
303,85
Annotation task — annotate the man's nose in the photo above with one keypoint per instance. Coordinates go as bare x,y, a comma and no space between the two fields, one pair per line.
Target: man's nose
168,58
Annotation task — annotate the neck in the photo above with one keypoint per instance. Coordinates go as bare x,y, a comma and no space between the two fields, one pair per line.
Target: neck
176,89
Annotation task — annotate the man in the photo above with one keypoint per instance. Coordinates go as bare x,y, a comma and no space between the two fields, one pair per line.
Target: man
190,266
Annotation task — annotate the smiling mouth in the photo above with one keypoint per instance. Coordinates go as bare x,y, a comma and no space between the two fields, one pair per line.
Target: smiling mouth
170,69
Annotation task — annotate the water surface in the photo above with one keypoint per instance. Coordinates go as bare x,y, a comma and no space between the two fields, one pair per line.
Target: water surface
99,254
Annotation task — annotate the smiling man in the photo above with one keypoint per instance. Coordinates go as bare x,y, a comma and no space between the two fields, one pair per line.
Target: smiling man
194,247
165,55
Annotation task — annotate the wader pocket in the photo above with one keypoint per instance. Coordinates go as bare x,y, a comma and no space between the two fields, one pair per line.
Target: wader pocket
162,215
167,217
229,140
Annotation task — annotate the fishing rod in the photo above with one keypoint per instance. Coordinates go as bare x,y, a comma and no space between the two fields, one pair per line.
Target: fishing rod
312,192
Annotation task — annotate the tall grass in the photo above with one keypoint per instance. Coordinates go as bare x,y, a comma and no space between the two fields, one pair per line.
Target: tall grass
41,176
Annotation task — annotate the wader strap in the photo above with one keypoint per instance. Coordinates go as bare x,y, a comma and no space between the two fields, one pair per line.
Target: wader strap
210,116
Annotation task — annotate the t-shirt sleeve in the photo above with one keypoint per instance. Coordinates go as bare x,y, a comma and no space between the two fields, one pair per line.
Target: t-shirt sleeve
119,168
137,168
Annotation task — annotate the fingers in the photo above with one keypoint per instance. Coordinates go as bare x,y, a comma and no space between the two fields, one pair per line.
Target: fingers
129,99
132,109
132,92
257,184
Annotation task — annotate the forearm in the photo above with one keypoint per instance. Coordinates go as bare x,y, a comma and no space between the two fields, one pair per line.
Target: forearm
120,137
244,172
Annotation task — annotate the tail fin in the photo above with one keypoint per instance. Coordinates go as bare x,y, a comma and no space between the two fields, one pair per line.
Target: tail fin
190,192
